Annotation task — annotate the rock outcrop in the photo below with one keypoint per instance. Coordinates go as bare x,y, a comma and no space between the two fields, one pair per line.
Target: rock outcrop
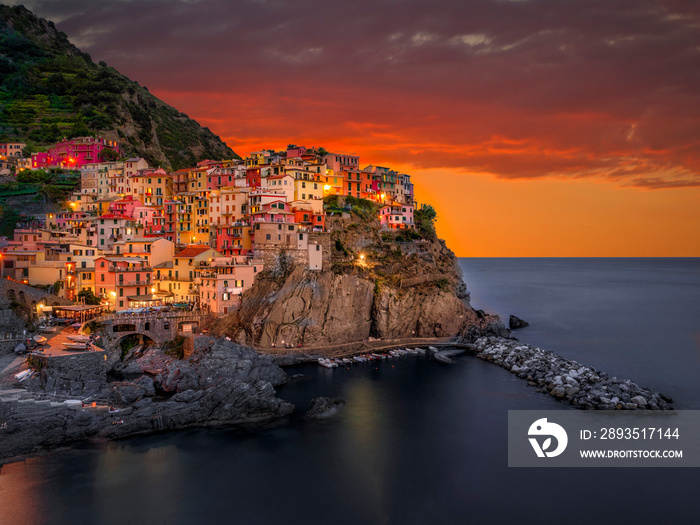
515,322
582,386
220,384
324,407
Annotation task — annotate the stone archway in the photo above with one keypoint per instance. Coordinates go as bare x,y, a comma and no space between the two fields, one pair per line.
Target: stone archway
123,327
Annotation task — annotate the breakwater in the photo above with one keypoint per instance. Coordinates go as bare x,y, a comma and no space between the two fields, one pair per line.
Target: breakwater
582,386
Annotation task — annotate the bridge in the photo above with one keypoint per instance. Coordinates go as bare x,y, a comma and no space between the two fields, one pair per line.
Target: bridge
159,327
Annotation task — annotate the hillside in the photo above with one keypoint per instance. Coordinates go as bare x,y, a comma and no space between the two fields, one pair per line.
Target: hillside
49,89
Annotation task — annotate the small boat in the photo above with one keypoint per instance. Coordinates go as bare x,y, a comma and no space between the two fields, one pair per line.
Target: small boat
347,361
79,338
74,346
48,329
24,375
360,359
40,339
326,363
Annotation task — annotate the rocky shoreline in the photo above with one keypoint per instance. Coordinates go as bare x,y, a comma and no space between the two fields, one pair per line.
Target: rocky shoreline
582,386
223,383
220,384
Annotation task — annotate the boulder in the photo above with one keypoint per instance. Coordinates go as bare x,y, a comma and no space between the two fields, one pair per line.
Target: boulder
147,383
639,400
324,407
515,322
126,393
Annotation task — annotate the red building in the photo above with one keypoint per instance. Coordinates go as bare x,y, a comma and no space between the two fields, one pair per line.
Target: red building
253,177
74,153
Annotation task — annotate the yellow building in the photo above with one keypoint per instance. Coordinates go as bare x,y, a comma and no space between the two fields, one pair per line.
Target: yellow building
151,187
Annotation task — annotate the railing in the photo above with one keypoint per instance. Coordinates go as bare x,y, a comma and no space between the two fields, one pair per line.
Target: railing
12,337
180,316
133,283
141,269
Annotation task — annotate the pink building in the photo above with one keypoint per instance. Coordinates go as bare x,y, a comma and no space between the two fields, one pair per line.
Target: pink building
125,206
221,177
397,216
74,153
295,151
123,281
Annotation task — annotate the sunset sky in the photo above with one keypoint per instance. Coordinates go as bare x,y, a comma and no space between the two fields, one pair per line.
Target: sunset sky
535,128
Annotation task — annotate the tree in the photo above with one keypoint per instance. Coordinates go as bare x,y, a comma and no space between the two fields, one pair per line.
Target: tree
8,221
109,155
78,129
425,218
90,297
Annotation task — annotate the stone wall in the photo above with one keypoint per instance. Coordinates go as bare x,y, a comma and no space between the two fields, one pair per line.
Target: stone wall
70,375
7,347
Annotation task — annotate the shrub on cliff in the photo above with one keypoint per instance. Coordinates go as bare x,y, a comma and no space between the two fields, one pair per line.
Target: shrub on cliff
425,218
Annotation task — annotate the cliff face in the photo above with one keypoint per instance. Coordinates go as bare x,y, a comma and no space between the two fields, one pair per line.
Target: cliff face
374,284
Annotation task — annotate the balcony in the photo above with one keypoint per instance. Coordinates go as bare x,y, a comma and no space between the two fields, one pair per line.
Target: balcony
134,283
133,269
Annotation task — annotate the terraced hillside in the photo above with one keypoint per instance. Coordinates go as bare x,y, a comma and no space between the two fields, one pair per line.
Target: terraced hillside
49,90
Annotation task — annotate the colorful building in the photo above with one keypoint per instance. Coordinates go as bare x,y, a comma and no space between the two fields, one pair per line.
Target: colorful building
74,153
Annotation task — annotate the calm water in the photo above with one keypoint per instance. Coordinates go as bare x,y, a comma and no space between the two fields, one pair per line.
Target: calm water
417,442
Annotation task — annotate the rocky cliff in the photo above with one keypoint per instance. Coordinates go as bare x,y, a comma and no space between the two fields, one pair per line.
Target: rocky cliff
375,284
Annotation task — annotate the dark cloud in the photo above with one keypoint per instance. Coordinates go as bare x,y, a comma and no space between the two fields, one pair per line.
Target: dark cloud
583,88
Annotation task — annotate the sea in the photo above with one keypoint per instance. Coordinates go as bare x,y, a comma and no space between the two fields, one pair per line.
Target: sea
418,442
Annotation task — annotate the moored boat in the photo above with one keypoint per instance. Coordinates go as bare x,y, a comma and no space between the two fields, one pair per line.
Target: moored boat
48,329
79,338
74,346
327,363
40,339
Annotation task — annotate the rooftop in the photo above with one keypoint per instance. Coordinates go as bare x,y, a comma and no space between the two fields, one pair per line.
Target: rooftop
192,251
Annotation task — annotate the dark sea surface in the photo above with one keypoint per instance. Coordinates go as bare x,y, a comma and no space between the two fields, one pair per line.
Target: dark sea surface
418,442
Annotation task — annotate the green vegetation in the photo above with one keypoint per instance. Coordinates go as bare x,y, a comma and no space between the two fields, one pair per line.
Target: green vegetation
90,297
91,327
54,185
8,221
127,343
175,348
425,218
50,90
36,362
360,208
